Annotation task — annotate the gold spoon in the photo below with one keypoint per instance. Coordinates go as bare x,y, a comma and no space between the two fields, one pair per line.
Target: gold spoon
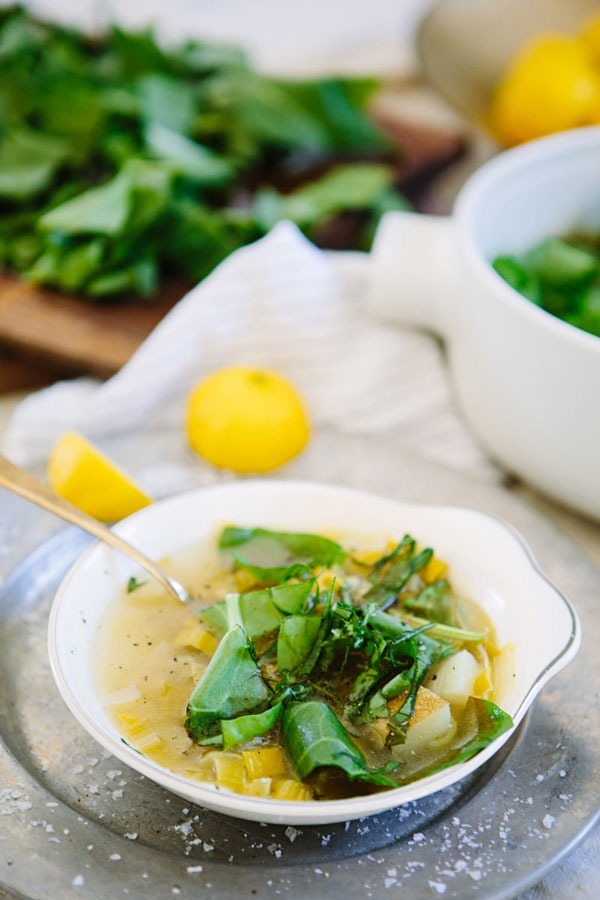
21,482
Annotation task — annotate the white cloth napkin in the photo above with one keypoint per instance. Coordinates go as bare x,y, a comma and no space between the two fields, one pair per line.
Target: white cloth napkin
279,303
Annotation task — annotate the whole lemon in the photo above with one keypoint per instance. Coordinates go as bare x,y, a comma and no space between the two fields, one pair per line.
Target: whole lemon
551,85
246,420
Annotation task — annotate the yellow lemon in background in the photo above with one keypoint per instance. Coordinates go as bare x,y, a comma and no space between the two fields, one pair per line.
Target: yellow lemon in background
246,420
551,85
82,474
590,35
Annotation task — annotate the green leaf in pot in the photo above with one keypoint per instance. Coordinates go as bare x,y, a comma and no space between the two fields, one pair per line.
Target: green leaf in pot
522,280
587,315
562,275
559,264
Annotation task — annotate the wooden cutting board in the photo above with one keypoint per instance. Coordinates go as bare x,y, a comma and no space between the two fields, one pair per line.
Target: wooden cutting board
45,335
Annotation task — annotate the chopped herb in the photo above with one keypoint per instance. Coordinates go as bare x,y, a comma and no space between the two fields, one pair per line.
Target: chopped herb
133,584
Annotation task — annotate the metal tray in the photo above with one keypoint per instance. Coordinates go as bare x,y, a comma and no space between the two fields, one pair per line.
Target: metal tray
74,822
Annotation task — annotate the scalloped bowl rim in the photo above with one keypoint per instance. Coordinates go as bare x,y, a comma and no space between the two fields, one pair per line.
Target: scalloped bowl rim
69,640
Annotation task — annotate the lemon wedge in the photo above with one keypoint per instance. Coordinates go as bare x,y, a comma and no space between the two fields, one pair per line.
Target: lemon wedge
82,474
246,420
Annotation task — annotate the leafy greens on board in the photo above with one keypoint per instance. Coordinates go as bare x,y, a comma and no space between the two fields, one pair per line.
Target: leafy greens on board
316,663
121,160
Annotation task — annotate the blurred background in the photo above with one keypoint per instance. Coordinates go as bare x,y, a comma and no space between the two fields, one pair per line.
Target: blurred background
45,336
440,89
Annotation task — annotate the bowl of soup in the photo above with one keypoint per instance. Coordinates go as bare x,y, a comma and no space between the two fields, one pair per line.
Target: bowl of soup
342,653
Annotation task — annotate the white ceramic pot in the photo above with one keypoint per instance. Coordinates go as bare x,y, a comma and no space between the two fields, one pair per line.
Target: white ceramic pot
527,383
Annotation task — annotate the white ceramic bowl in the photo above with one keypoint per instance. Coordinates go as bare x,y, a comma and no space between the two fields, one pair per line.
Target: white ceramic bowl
488,561
528,383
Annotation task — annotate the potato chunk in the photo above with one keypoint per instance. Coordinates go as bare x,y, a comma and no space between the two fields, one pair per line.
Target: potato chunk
431,721
454,677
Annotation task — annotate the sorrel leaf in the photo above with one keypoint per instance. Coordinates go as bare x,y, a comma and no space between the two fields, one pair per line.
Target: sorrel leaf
273,575
246,728
297,636
314,737
299,546
261,611
231,685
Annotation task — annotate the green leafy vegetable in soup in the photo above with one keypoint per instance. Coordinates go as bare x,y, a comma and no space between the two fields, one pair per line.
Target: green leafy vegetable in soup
315,672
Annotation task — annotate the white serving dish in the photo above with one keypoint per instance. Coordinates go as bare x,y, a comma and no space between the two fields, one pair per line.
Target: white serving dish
488,560
527,382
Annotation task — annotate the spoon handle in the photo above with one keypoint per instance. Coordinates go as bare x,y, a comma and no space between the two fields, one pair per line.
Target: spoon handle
21,482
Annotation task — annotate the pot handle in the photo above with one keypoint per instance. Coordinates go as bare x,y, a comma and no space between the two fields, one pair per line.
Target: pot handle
411,270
